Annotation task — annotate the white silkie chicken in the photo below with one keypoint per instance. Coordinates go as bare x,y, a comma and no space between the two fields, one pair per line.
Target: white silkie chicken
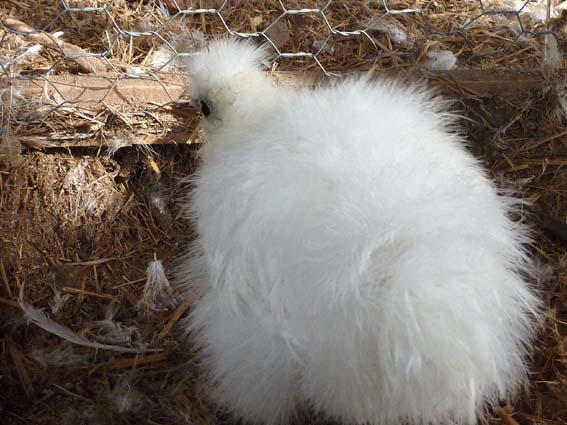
352,256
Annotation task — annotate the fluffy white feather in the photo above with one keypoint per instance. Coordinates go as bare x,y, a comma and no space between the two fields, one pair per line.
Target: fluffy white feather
352,255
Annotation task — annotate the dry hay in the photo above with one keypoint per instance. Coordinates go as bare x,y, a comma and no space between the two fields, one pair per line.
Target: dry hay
79,228
88,226
477,35
85,228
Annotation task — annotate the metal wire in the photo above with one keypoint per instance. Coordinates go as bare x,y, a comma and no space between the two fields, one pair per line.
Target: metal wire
387,21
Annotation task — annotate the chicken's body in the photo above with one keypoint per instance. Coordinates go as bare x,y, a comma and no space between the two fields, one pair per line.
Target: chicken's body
352,256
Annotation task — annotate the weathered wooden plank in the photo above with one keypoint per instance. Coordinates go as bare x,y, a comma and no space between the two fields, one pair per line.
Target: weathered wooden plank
467,83
90,93
90,90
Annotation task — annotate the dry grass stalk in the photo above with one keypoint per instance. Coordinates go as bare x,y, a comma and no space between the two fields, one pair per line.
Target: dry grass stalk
5,279
89,293
139,360
504,413
9,302
18,359
177,314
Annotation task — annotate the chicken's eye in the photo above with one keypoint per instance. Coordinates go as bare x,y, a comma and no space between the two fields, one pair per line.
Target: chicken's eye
205,109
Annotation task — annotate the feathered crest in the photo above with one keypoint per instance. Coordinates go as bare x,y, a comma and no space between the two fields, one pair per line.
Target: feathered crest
228,56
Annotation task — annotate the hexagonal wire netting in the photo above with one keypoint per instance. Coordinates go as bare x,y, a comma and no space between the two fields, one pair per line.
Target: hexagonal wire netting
123,39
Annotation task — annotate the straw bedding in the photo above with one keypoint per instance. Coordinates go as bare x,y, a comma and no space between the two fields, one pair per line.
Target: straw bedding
80,225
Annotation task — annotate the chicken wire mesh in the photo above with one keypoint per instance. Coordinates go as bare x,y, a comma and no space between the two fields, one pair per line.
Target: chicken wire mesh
120,40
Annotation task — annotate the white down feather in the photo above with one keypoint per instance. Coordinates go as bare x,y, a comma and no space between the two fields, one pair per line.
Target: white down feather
352,255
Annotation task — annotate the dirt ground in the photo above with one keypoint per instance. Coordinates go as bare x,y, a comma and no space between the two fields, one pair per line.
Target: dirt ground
80,226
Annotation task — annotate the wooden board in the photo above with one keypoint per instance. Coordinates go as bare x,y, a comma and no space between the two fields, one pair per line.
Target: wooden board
90,90
93,93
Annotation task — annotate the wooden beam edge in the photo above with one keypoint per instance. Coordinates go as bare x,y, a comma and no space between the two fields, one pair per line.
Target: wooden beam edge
165,88
93,93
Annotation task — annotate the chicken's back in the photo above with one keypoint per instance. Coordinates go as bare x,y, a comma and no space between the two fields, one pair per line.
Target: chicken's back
359,231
